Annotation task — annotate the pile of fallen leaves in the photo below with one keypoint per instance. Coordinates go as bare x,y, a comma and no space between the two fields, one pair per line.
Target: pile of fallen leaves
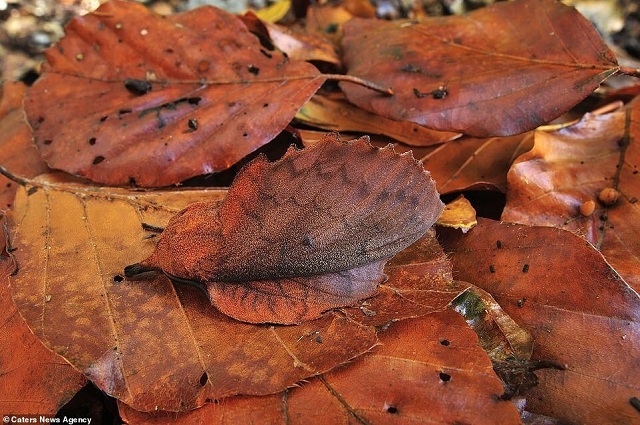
314,289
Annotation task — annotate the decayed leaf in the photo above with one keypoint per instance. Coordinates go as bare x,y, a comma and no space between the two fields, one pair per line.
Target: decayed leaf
427,370
508,345
558,183
302,235
158,347
582,315
334,113
458,214
501,70
185,95
33,380
470,164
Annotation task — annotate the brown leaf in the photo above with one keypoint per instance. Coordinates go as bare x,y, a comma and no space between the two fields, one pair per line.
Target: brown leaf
335,113
33,380
582,315
475,164
458,214
508,345
297,45
428,370
568,168
501,70
17,151
155,346
187,95
300,236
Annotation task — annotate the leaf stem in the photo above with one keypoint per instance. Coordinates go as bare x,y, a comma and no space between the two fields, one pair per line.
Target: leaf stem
8,174
632,72
357,80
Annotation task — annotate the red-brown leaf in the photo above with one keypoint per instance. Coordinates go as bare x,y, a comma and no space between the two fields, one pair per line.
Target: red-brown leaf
568,168
302,235
154,346
581,314
475,164
428,370
202,93
501,70
33,379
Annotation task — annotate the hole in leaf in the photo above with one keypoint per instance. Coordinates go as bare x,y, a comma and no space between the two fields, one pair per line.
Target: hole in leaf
203,379
92,141
47,142
392,409
445,342
444,377
137,87
98,159
117,278
254,69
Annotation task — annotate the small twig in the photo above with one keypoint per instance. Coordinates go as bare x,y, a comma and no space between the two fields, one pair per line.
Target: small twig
632,72
357,80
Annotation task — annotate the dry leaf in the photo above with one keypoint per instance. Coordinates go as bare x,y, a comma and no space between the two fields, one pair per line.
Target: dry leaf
582,315
499,71
186,95
558,183
475,164
335,113
73,241
428,370
33,380
458,214
297,45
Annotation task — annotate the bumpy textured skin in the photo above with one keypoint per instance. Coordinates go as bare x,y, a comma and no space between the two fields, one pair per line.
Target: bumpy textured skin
329,208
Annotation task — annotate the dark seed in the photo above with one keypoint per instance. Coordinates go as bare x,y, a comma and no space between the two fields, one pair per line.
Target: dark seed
525,268
492,269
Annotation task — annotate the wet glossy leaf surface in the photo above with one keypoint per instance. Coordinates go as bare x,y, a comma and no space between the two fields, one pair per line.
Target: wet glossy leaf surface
187,95
582,315
499,71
